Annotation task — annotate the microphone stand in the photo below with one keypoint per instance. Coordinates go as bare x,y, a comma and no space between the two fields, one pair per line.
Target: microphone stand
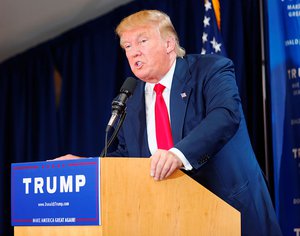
113,136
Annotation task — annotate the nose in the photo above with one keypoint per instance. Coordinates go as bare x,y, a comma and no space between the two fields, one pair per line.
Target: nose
137,53
134,51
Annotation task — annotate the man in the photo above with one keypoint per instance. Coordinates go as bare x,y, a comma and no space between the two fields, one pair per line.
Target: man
209,138
204,127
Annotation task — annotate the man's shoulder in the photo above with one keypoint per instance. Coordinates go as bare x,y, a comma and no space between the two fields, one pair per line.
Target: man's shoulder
204,57
194,61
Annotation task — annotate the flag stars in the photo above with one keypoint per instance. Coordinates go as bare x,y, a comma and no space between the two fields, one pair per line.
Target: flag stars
207,5
216,45
211,37
204,37
206,21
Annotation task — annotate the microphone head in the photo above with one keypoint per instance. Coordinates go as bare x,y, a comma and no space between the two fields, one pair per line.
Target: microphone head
128,86
127,89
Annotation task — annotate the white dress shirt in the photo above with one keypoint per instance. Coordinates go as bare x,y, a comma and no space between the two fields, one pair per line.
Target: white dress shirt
150,97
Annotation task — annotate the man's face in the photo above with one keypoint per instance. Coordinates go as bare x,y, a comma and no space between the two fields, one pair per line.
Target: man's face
147,53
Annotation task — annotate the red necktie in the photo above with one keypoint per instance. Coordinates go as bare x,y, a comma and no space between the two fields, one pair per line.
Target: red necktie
162,122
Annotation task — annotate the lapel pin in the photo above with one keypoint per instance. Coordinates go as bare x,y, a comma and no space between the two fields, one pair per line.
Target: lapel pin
183,95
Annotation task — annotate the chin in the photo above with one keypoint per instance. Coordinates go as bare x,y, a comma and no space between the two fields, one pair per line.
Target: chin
140,76
145,78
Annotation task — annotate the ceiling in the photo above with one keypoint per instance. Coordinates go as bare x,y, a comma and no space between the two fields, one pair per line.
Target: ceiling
26,23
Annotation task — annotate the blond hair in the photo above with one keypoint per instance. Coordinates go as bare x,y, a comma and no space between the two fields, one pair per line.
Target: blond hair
155,17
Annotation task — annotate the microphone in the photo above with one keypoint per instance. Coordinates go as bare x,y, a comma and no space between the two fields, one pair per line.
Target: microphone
119,103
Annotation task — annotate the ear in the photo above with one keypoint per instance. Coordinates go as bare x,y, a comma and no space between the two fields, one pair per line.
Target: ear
170,41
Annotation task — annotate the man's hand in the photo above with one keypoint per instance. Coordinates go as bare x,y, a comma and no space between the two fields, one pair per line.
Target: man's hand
163,164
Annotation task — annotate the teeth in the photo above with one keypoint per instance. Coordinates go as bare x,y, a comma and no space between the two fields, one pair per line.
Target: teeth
138,63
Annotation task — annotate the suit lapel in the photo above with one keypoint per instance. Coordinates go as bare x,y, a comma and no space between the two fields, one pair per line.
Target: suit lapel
180,93
136,122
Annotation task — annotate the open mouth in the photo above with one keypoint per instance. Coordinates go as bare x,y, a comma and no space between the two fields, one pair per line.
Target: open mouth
138,64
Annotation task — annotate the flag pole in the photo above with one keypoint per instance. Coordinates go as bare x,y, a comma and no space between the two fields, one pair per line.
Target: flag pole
264,90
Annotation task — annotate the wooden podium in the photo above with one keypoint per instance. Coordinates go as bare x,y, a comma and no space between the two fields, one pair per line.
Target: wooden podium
133,204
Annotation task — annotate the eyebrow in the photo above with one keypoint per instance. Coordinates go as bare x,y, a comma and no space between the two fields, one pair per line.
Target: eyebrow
122,42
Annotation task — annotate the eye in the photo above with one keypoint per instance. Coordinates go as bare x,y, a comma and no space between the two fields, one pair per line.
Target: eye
142,41
127,46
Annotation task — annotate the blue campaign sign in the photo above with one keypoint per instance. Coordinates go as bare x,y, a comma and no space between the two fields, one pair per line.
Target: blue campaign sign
284,64
56,193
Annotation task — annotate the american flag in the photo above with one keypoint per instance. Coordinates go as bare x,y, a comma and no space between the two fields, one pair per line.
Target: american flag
211,38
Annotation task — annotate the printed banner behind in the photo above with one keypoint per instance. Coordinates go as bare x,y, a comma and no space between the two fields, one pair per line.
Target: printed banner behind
284,59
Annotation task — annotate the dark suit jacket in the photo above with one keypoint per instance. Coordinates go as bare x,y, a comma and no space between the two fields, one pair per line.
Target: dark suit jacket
209,128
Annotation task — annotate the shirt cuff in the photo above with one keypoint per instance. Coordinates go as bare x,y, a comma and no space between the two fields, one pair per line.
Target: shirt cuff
185,162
